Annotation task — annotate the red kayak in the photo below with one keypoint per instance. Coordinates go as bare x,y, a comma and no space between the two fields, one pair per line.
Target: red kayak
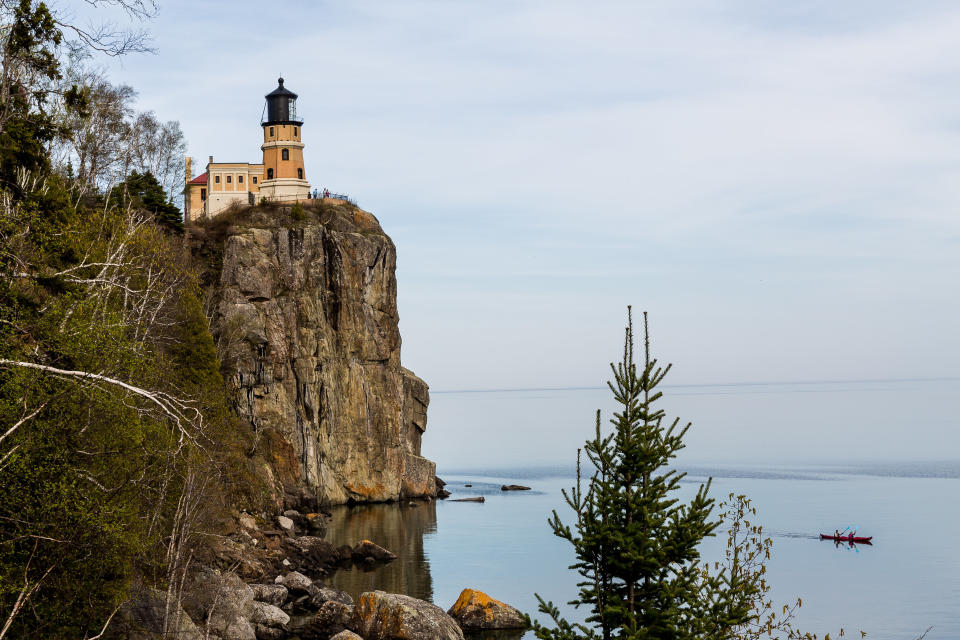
850,538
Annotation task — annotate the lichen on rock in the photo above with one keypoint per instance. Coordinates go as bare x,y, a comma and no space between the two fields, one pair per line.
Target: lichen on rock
475,610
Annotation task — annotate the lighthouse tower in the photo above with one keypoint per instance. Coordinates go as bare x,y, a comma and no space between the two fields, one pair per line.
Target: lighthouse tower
284,179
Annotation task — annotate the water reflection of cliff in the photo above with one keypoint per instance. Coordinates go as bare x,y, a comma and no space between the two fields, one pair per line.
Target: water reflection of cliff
397,527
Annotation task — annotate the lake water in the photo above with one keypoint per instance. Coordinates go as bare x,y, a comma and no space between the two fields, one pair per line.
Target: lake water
907,581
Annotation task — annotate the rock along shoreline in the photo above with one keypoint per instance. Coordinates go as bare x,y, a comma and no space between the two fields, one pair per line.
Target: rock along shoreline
265,580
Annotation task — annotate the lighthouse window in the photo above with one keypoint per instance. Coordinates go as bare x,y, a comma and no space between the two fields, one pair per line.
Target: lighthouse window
203,194
300,173
240,179
271,132
229,179
269,174
294,131
216,179
254,179
285,154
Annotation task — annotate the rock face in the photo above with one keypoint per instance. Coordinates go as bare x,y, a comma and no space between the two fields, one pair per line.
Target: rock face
306,317
476,610
391,616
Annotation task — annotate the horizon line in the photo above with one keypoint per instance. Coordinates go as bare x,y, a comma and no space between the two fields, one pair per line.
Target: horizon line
709,384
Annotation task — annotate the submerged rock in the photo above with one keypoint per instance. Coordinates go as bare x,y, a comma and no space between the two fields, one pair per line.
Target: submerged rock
477,499
476,610
514,487
391,616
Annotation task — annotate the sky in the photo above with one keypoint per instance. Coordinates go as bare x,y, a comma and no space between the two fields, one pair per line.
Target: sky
776,183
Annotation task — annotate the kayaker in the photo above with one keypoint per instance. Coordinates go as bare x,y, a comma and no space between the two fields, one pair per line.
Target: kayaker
836,533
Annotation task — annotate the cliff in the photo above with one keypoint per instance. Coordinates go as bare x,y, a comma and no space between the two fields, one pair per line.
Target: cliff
306,324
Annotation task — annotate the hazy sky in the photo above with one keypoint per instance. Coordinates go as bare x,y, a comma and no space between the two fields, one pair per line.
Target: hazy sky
778,183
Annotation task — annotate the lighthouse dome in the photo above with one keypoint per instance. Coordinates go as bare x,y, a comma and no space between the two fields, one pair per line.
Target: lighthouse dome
281,106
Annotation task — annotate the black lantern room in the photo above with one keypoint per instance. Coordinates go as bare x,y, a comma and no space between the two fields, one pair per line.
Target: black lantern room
281,106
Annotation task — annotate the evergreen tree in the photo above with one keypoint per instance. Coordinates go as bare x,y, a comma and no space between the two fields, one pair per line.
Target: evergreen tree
636,544
143,191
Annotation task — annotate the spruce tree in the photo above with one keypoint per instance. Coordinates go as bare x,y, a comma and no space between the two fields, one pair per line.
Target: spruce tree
143,191
636,543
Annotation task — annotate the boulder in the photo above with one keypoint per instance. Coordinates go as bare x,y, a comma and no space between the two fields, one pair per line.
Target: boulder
220,603
367,549
327,594
285,523
346,635
297,583
142,617
343,554
248,521
308,544
275,594
333,617
391,616
475,610
514,487
267,615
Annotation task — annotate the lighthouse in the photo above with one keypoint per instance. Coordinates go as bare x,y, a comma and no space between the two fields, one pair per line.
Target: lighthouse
284,178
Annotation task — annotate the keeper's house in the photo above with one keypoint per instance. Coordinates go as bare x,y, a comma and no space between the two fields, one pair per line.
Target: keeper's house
279,178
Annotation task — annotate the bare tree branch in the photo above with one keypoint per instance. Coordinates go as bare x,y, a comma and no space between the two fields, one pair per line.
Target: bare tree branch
178,411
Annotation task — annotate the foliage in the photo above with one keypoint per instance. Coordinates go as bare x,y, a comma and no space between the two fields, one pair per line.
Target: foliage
745,557
143,191
110,392
109,140
636,544
297,213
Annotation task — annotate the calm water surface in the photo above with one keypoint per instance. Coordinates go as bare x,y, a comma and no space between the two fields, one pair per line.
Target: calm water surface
904,583
907,581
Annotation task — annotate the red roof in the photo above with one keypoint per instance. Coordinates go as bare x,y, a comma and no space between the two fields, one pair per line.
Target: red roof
200,179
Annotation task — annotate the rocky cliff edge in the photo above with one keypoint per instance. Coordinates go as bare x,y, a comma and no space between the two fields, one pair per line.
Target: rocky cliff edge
306,325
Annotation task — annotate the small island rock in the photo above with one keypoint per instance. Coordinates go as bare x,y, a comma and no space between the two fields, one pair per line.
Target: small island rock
475,610
367,549
514,487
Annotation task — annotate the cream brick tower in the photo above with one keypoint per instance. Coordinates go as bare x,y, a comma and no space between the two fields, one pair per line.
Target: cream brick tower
284,178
